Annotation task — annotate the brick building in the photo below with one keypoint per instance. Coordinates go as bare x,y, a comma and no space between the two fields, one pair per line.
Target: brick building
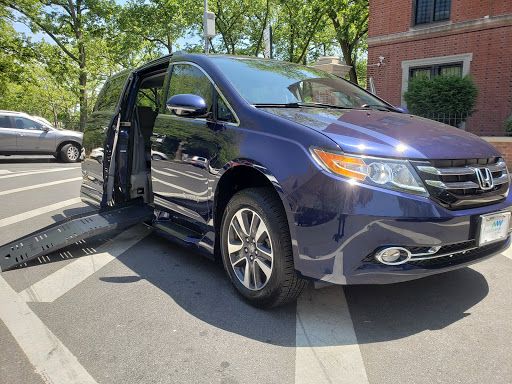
436,37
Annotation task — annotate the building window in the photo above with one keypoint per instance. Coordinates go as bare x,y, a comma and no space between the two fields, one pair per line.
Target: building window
451,69
429,11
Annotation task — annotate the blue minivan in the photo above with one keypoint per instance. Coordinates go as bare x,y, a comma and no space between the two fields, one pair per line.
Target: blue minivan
289,174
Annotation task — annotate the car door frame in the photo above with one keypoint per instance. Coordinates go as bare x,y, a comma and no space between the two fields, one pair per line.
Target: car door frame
212,123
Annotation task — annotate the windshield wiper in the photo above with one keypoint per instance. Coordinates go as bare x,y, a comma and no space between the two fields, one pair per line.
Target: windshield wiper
299,105
378,107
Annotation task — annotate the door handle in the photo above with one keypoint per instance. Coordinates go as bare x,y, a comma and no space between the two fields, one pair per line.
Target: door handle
22,135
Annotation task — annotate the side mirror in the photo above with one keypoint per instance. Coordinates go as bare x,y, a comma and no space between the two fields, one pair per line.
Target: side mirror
187,105
402,109
45,128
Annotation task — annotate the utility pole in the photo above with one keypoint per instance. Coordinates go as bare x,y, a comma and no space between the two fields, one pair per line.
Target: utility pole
205,27
208,26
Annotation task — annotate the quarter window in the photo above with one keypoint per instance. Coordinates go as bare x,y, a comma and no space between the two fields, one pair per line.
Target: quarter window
223,111
429,11
6,122
186,78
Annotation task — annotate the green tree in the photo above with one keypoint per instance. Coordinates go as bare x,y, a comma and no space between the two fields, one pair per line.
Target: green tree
297,23
159,22
350,21
72,25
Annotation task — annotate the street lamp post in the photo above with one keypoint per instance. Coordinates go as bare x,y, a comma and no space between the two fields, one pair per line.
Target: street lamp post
205,27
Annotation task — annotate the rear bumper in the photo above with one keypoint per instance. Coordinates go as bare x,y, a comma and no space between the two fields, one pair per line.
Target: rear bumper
336,241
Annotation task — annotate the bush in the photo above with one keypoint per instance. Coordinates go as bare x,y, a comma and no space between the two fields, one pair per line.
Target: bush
442,97
508,125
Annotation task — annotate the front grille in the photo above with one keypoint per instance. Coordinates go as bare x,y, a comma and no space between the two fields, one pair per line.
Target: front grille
459,184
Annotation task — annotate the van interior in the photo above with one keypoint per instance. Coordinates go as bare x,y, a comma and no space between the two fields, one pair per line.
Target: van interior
146,106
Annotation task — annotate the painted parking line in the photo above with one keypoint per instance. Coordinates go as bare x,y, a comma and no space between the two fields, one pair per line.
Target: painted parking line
36,186
507,252
58,283
188,174
39,211
51,170
50,358
326,344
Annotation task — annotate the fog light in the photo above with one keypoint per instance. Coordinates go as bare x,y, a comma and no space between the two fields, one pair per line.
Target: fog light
393,255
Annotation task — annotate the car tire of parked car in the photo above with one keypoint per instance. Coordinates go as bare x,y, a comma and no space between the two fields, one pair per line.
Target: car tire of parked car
70,153
258,256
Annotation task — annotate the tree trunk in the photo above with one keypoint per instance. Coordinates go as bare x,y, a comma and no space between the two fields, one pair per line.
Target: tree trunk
346,49
82,79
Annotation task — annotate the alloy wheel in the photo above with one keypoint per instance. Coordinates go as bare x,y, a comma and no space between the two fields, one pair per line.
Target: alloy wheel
72,153
250,249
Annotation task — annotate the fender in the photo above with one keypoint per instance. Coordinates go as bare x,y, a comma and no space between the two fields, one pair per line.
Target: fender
267,174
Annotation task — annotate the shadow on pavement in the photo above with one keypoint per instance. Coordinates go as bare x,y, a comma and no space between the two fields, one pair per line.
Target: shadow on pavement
379,313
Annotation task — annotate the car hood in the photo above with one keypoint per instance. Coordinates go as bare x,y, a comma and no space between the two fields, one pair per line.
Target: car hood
68,133
389,134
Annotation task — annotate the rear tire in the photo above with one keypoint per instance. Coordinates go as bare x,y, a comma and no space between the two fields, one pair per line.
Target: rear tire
257,253
70,153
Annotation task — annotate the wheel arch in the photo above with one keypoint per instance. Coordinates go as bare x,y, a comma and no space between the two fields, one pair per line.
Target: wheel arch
241,175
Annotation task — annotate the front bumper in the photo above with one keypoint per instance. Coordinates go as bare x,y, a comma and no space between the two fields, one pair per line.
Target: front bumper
337,233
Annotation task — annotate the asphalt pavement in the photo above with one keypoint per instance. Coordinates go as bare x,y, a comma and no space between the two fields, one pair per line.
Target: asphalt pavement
131,307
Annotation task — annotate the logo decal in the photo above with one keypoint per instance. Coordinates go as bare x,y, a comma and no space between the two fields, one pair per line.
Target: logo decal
484,177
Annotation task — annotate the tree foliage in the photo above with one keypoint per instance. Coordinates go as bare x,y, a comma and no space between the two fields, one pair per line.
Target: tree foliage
86,41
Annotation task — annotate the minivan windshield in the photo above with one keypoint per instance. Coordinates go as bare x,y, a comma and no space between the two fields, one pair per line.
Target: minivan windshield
270,82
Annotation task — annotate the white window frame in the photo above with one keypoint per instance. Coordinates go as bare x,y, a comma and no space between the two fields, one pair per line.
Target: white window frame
465,58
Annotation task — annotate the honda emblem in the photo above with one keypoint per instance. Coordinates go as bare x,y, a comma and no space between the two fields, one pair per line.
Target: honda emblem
484,177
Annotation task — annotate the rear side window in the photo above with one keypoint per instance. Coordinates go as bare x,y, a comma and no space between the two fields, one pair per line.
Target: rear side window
110,93
187,78
6,122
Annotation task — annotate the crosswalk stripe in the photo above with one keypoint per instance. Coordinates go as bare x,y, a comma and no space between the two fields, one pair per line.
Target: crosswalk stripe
326,344
58,283
16,190
39,211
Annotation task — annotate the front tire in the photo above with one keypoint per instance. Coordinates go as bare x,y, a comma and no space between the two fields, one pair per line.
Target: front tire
70,153
256,249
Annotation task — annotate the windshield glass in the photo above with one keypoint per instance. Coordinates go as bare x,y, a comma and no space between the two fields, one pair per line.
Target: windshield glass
261,81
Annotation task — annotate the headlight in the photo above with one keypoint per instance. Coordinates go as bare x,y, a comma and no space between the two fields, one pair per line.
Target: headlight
387,173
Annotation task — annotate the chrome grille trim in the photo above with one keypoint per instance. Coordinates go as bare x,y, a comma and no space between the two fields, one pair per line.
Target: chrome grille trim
419,257
461,171
464,184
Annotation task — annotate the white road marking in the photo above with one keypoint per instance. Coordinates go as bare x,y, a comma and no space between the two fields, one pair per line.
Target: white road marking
507,252
39,211
326,345
50,358
38,172
163,173
194,173
188,174
193,193
58,283
9,191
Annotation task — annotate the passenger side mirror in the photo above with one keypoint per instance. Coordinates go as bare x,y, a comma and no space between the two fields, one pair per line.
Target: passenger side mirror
187,105
44,128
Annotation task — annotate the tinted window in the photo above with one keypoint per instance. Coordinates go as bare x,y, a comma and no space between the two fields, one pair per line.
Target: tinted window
223,111
262,81
187,78
6,122
110,93
23,123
